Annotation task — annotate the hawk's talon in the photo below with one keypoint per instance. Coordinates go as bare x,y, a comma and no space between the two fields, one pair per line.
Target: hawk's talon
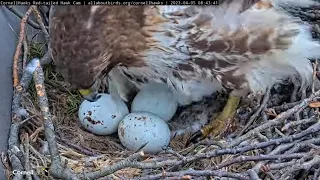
195,137
217,125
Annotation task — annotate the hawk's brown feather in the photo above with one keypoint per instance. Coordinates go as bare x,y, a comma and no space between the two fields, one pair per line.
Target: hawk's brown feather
228,48
86,40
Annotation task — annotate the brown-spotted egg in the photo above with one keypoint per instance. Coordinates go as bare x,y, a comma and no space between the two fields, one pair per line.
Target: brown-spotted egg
143,128
102,117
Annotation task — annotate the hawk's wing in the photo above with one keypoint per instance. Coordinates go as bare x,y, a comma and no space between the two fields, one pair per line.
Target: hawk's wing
236,43
227,42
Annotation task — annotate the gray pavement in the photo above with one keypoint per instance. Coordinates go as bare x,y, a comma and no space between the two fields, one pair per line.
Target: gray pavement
9,30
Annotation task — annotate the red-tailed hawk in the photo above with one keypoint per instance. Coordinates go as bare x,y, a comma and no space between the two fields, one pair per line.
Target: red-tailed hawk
242,45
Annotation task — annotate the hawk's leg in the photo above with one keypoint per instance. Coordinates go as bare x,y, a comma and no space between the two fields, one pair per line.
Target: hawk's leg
219,124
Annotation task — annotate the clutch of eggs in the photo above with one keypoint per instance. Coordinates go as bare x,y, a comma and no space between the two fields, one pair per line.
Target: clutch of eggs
146,125
103,116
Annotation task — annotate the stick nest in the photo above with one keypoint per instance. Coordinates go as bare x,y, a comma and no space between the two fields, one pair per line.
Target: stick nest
276,134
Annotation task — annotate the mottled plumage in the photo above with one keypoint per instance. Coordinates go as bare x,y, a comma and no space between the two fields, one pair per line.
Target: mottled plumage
242,45
185,49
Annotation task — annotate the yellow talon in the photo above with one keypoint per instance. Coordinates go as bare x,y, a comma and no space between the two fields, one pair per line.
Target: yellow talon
217,125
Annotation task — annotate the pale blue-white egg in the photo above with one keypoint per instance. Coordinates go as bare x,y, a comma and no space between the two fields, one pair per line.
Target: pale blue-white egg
143,128
102,117
157,99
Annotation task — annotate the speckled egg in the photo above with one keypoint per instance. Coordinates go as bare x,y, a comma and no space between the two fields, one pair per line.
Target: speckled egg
103,116
157,99
143,128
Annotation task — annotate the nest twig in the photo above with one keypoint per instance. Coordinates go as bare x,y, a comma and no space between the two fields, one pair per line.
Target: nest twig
20,15
18,49
57,168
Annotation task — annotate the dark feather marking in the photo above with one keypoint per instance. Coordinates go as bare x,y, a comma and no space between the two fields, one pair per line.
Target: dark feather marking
139,80
284,40
216,46
222,64
213,64
205,63
177,75
260,45
185,67
291,33
236,81
240,43
145,80
163,80
128,75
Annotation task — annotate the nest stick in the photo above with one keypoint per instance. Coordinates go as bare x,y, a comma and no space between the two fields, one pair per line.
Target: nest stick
18,48
316,174
25,52
15,154
279,166
27,156
44,13
17,114
40,22
128,162
78,148
20,15
314,75
17,111
214,153
188,174
241,159
300,122
57,169
257,113
298,166
285,106
253,175
288,148
302,144
277,121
